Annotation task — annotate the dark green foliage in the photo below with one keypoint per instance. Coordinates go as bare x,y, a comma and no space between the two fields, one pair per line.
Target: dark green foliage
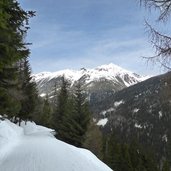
94,140
46,116
36,116
71,116
166,166
70,128
60,111
81,114
29,95
134,152
130,157
151,99
13,27
111,152
125,160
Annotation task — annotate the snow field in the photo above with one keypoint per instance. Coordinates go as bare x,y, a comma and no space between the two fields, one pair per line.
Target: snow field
34,148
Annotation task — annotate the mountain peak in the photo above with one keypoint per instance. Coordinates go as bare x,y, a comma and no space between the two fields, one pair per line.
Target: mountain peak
108,71
110,65
101,77
112,68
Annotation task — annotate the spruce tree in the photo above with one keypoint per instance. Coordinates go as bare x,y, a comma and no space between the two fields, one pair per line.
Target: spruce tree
71,117
123,156
148,160
125,159
46,116
60,110
116,154
94,140
81,114
29,94
13,27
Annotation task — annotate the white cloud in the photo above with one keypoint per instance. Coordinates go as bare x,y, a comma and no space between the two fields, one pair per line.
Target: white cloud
56,47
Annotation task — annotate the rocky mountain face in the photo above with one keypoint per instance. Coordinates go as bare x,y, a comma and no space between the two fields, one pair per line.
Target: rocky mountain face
98,83
142,112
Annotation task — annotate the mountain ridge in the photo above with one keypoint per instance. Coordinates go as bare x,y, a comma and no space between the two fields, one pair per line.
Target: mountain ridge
141,112
103,69
112,75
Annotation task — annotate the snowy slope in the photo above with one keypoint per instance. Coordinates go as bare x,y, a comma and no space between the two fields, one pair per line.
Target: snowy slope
104,79
110,72
34,148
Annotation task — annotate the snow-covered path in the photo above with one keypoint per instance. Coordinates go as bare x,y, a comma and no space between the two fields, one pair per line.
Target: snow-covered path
42,152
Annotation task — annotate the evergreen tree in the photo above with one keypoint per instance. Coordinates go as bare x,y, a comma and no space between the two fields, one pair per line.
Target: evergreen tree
13,27
112,152
135,156
94,140
61,109
29,94
67,127
81,114
46,116
166,166
71,115
108,150
36,116
130,157
125,160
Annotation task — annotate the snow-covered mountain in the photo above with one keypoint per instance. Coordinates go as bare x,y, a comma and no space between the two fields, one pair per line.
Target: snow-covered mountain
110,72
32,147
103,78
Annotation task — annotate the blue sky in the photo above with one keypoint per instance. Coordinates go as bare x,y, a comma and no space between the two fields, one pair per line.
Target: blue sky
88,33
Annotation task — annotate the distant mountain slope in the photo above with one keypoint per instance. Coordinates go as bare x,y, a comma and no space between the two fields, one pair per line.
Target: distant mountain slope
98,82
141,111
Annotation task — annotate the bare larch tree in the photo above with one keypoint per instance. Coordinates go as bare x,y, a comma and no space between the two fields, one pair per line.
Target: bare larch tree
160,42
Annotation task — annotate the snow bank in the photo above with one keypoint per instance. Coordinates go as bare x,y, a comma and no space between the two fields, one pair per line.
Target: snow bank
32,128
9,130
35,150
9,133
